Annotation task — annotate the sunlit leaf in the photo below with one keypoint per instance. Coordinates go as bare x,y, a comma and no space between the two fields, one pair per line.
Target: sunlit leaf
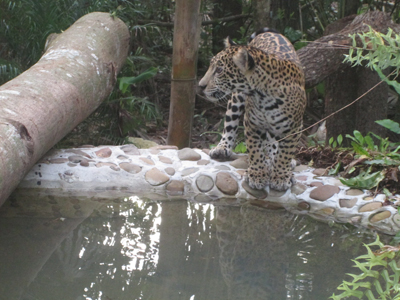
359,149
340,139
370,142
389,124
359,137
125,82
335,169
393,83
240,148
364,180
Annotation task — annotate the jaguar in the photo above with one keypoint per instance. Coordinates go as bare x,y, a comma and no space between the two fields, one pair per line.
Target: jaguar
264,80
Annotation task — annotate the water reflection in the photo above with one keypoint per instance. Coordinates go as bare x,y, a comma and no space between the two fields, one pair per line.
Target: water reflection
174,250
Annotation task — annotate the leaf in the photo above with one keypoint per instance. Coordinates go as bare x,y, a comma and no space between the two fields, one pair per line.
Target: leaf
340,139
335,169
378,287
359,149
364,180
125,82
352,170
393,83
389,124
359,137
240,148
383,162
370,142
370,295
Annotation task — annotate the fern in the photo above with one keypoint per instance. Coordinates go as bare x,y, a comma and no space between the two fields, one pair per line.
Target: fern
379,275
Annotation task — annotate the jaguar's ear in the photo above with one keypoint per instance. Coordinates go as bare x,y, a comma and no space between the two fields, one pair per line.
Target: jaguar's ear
244,60
228,42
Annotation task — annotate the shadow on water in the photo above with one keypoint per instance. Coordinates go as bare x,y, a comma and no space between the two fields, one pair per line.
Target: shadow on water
171,250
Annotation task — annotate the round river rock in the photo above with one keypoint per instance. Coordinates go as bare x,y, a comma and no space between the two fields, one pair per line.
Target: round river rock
165,160
259,194
324,192
370,206
204,183
175,188
226,183
348,203
188,154
380,216
156,177
104,152
130,168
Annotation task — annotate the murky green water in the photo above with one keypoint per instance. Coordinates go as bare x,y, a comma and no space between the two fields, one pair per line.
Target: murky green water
174,250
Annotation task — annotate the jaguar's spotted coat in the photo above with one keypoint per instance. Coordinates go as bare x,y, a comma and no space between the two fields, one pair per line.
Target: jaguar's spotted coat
266,81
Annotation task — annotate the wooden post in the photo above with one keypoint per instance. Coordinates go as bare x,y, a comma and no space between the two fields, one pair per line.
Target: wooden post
184,65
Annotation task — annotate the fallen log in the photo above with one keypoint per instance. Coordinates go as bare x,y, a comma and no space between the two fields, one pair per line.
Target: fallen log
74,182
39,107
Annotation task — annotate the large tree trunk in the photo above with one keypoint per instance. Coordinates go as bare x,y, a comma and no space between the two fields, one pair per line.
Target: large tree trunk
262,14
340,90
39,107
184,67
322,59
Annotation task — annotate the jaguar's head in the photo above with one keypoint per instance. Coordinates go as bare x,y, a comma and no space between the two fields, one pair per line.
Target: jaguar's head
227,71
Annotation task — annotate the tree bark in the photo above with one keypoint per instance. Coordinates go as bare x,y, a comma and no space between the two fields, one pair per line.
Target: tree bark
39,107
372,106
322,60
340,90
184,67
262,14
325,55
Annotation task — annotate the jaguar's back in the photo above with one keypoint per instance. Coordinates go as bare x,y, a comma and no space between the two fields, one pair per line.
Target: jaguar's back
272,42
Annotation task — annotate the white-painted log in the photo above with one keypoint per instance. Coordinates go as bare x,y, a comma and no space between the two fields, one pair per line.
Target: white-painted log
111,172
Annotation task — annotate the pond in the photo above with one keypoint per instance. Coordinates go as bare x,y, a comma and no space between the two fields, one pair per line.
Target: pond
174,250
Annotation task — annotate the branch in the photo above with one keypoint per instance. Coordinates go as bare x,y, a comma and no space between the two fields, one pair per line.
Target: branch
204,23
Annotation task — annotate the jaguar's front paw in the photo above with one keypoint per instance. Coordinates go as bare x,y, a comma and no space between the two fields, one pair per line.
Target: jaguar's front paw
257,179
282,184
220,152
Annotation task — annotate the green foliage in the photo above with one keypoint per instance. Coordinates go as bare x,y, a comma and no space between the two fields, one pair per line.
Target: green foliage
8,70
126,82
378,51
375,153
334,144
292,34
365,145
365,180
379,277
240,148
389,124
335,169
